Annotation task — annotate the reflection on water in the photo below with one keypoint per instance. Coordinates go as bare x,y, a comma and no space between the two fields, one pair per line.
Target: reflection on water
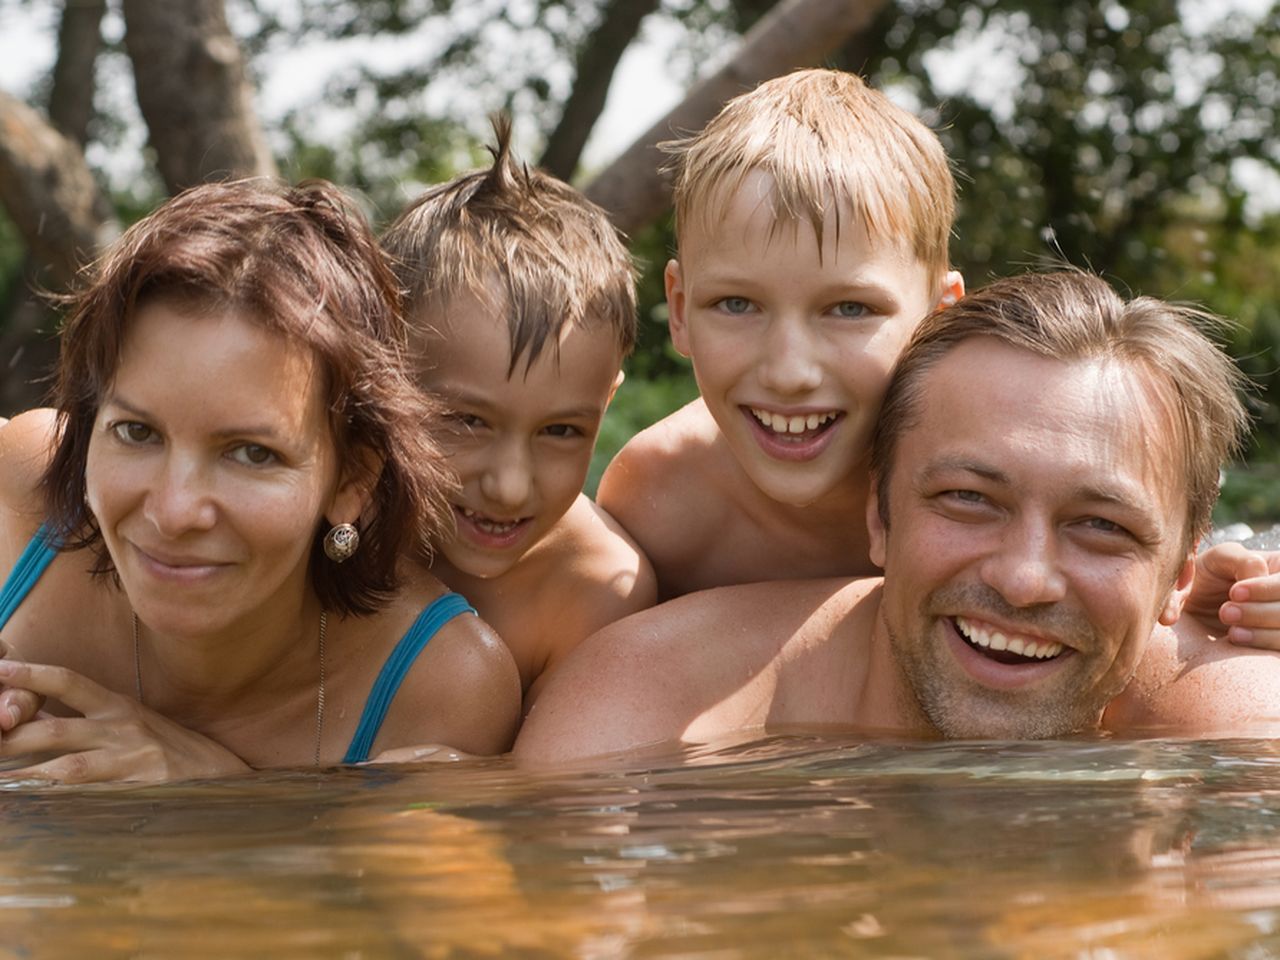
790,846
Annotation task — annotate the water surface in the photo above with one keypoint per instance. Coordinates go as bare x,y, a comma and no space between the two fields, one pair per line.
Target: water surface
786,846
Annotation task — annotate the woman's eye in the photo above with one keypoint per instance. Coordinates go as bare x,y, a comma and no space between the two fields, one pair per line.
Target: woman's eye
468,421
130,431
253,455
734,305
851,309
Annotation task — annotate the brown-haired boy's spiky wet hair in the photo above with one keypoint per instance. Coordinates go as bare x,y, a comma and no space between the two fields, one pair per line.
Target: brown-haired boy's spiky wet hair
521,236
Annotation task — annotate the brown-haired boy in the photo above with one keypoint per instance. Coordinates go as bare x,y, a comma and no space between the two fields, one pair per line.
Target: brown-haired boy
813,218
522,304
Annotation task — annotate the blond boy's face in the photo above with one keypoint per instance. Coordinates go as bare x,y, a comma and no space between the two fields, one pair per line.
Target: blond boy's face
520,446
793,340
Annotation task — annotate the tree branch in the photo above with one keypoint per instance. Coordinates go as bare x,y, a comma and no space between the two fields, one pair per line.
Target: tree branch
796,33
597,60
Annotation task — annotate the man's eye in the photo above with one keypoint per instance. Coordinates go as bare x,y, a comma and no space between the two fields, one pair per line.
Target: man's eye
1103,525
131,431
966,496
734,305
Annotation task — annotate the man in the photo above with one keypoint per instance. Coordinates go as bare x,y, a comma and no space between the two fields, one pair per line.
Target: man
1046,458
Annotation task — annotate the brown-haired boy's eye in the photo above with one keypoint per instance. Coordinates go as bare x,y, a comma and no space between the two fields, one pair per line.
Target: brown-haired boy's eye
562,430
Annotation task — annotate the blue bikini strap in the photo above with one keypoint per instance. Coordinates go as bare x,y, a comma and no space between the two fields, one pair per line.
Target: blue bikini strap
429,621
33,562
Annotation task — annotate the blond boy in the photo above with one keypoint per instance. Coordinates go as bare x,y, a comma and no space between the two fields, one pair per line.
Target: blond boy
521,300
813,218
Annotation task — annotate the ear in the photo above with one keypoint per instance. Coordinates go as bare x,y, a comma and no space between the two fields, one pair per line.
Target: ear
877,534
617,382
355,488
673,280
1178,594
952,289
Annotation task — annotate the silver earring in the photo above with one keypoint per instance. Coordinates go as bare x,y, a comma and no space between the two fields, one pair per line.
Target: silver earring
341,542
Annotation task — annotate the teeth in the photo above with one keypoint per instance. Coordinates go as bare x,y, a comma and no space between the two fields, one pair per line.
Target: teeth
994,640
487,524
779,423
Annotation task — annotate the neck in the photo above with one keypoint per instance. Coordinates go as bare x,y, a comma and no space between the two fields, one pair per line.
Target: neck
271,656
885,701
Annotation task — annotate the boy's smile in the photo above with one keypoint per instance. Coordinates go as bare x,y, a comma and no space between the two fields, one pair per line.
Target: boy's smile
520,445
792,339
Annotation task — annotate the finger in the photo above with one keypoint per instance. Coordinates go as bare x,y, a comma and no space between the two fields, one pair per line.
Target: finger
53,735
1231,562
1258,639
76,691
92,766
18,706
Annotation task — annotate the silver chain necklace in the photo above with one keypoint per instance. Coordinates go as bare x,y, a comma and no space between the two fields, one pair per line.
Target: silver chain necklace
137,676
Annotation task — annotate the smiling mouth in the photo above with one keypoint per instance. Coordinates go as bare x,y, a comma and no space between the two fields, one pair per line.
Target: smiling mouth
797,428
489,525
1011,650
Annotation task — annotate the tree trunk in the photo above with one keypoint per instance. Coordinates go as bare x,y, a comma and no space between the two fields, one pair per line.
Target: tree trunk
597,60
53,200
79,39
193,92
796,33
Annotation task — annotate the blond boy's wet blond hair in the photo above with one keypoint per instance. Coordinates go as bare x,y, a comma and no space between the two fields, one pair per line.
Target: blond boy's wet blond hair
830,144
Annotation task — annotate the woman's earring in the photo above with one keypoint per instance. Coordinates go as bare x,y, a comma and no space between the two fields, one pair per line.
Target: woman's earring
341,542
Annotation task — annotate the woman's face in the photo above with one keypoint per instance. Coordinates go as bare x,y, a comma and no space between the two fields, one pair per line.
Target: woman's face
210,466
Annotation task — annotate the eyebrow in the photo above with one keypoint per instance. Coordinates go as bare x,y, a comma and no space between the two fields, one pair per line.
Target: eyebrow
463,398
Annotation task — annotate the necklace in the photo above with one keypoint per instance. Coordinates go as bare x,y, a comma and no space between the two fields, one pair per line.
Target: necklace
324,617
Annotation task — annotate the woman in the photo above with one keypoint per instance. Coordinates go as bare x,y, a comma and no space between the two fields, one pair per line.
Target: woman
212,557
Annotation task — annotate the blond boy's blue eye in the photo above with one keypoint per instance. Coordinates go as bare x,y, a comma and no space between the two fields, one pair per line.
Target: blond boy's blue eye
848,308
735,304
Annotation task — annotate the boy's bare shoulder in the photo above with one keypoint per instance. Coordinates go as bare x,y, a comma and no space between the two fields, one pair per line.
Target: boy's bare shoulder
651,677
1192,684
671,489
586,574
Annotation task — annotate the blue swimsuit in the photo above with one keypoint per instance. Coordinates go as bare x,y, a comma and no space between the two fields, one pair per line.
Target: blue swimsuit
40,552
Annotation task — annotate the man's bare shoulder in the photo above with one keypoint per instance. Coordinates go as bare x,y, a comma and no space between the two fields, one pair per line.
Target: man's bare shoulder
652,676
1191,684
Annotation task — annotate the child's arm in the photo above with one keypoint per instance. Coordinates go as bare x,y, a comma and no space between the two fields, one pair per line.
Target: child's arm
1236,594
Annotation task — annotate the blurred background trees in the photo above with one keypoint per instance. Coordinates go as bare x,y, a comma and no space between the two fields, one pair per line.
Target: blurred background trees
1139,138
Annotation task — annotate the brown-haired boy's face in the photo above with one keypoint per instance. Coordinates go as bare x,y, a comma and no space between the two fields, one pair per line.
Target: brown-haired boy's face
520,445
793,338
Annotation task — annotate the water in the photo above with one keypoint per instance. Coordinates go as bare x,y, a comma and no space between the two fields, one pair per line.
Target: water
783,847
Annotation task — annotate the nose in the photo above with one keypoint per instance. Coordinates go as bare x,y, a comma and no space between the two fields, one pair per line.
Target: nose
506,480
1024,567
791,363
180,499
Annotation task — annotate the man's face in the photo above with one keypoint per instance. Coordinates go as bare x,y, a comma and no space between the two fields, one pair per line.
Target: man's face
1036,518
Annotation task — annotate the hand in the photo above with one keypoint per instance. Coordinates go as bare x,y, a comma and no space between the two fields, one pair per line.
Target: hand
114,738
17,705
1236,593
424,753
